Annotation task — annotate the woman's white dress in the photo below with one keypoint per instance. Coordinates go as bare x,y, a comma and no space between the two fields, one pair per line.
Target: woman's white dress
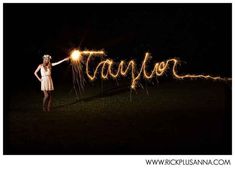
46,82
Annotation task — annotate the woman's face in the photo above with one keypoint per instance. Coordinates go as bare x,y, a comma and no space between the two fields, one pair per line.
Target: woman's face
46,60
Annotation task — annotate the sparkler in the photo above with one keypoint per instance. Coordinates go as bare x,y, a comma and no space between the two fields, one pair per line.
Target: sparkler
107,69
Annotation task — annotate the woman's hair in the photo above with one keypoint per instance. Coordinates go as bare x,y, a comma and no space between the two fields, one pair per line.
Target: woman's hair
47,64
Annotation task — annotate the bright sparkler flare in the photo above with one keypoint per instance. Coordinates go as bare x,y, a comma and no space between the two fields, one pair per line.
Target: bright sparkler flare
76,55
107,69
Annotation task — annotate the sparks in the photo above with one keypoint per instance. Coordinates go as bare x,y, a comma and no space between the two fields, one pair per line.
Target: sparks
77,62
107,69
159,68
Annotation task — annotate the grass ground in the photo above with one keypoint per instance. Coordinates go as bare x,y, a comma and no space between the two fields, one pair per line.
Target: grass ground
174,117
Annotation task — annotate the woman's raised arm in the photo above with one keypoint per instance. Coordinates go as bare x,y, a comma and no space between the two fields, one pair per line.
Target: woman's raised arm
59,62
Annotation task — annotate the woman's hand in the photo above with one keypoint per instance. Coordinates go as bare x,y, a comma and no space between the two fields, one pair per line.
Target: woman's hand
40,79
67,58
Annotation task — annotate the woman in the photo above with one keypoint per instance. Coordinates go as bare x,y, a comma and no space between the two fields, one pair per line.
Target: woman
46,80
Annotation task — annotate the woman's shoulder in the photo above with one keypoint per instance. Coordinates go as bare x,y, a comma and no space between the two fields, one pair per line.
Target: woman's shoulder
40,65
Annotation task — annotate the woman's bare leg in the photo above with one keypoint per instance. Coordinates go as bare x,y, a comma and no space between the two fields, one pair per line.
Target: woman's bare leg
45,100
49,101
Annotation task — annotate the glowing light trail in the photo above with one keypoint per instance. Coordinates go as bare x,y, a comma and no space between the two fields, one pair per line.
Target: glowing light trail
107,70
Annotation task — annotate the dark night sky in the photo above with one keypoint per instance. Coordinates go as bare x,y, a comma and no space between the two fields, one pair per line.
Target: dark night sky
199,34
